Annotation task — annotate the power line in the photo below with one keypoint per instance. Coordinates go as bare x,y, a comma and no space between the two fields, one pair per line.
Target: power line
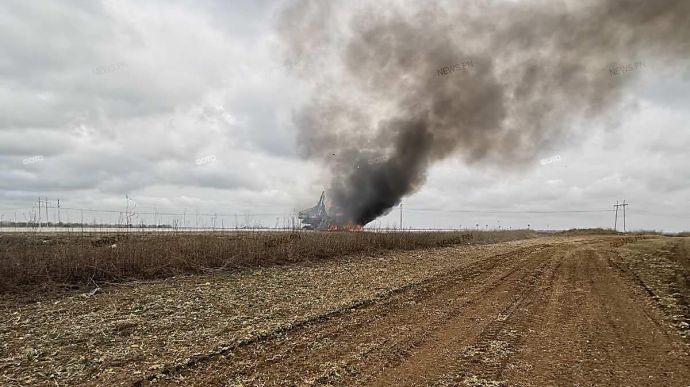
42,209
477,211
682,216
168,213
507,211
16,209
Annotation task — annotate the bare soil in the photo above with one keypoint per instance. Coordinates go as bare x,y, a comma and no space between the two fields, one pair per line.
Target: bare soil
561,310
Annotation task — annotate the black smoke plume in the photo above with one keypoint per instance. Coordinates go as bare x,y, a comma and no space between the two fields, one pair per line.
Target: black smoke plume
400,84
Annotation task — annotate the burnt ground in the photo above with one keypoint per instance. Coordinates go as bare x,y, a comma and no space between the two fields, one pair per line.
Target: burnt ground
562,310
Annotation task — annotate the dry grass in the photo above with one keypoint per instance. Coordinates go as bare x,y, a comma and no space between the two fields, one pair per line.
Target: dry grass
30,261
662,267
129,332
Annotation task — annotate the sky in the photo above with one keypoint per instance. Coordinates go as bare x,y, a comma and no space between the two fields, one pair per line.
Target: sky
188,107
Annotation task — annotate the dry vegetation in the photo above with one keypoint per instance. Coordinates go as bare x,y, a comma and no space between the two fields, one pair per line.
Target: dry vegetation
662,267
30,261
129,332
557,310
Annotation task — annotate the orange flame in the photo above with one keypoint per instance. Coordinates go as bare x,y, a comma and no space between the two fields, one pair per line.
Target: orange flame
349,226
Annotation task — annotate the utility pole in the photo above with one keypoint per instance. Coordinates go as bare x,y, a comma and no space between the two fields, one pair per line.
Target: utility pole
129,212
615,224
47,218
624,205
39,212
401,220
58,209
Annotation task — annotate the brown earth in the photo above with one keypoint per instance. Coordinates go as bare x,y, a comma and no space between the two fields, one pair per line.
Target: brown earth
575,310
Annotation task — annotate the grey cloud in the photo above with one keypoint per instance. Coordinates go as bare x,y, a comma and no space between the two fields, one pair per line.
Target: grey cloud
60,61
124,96
31,142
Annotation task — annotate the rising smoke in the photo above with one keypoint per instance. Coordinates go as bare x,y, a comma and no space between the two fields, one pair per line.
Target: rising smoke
399,84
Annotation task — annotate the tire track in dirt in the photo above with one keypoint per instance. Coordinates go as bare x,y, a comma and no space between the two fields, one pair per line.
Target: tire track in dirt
557,313
481,262
388,296
479,357
597,329
383,334
476,263
463,323
665,276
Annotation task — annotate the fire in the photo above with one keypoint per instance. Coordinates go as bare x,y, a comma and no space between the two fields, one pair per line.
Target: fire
349,226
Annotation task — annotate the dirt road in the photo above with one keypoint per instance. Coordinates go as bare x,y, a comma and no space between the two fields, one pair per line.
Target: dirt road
587,310
558,313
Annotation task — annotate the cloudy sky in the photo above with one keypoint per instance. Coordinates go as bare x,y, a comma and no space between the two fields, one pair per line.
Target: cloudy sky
188,107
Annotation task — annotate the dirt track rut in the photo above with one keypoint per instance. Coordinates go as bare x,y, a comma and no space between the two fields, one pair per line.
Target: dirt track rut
556,313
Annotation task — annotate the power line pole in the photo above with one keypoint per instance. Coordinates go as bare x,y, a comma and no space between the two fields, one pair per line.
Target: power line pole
39,212
401,213
624,205
615,222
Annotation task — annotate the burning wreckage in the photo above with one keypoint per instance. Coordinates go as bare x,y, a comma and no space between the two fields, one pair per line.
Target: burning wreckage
321,218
